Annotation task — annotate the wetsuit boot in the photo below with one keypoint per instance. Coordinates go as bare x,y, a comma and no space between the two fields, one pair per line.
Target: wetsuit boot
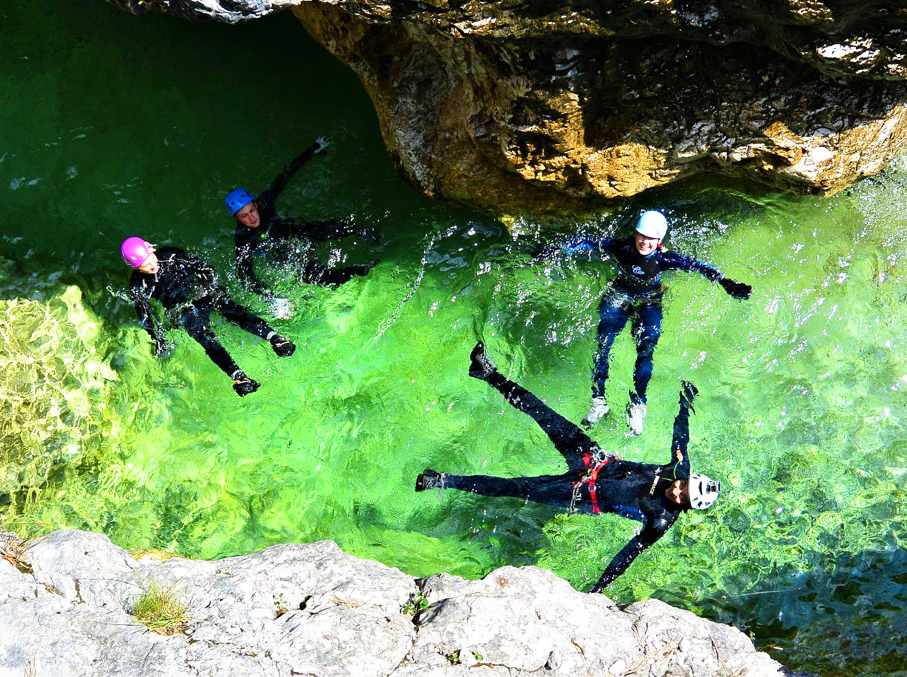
597,411
430,479
243,385
283,346
636,414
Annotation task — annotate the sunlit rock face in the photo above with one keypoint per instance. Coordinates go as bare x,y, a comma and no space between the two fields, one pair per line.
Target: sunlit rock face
559,105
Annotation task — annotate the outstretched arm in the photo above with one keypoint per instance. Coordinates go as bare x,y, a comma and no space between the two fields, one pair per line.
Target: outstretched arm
335,230
245,270
651,533
680,459
675,261
590,245
147,319
244,252
280,182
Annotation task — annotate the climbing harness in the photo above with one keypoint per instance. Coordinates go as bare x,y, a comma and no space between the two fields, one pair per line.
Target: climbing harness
600,459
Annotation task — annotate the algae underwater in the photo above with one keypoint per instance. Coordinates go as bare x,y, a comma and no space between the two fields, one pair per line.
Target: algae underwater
802,387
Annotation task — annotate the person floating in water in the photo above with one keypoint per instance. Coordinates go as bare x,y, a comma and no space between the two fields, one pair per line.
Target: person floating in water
596,481
260,230
188,290
637,293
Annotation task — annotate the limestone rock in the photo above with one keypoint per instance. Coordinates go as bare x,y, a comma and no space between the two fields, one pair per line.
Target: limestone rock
314,610
518,105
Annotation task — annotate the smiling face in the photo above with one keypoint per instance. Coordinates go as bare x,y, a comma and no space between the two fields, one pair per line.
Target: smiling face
150,265
646,245
249,216
677,493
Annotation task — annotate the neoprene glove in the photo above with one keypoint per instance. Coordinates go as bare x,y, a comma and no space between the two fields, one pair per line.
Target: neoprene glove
320,144
738,290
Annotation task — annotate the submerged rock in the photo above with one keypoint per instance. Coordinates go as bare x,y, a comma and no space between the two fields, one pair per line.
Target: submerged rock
312,609
53,384
524,105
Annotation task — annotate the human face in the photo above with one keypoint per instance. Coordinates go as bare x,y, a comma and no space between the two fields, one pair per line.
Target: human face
248,215
677,493
646,245
150,265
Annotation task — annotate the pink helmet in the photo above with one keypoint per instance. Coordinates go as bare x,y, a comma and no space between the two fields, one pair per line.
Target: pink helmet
135,251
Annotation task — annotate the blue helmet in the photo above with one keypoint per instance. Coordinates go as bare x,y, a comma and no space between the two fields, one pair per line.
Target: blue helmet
236,199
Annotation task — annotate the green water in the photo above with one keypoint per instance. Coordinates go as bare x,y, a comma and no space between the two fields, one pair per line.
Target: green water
111,125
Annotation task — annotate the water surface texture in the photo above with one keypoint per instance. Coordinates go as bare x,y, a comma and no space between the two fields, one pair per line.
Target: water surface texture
111,126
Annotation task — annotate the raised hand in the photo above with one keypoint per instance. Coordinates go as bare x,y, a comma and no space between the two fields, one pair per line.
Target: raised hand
738,290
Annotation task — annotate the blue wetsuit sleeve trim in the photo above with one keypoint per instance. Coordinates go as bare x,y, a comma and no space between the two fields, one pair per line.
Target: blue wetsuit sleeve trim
675,261
590,245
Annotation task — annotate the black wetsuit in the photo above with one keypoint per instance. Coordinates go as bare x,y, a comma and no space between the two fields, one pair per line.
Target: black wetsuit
275,230
596,481
635,293
187,288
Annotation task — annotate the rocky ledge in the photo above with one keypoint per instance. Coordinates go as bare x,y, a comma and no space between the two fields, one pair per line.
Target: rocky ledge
564,104
66,601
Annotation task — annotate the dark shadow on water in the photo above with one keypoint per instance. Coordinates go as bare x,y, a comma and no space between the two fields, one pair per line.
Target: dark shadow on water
846,618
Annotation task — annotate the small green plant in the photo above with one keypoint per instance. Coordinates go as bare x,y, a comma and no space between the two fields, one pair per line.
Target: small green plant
454,657
280,603
161,610
416,603
479,657
13,550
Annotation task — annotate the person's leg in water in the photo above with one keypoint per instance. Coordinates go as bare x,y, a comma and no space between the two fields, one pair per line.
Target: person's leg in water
196,321
577,448
646,331
613,313
554,490
234,312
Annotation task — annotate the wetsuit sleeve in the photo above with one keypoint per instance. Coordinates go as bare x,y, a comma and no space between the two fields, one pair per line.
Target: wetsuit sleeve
280,182
334,230
680,458
245,270
675,261
143,311
590,245
204,271
653,530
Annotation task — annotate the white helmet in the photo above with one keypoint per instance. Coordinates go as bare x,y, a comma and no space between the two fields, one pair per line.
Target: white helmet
652,224
702,491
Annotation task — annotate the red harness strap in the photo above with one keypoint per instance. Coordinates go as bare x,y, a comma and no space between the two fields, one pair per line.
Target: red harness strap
589,479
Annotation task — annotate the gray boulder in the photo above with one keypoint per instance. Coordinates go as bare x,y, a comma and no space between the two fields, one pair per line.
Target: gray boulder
65,603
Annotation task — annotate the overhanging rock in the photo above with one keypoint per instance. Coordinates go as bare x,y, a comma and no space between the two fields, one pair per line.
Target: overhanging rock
523,105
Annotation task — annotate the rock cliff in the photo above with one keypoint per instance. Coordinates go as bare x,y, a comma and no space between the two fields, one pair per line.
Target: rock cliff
66,602
543,106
